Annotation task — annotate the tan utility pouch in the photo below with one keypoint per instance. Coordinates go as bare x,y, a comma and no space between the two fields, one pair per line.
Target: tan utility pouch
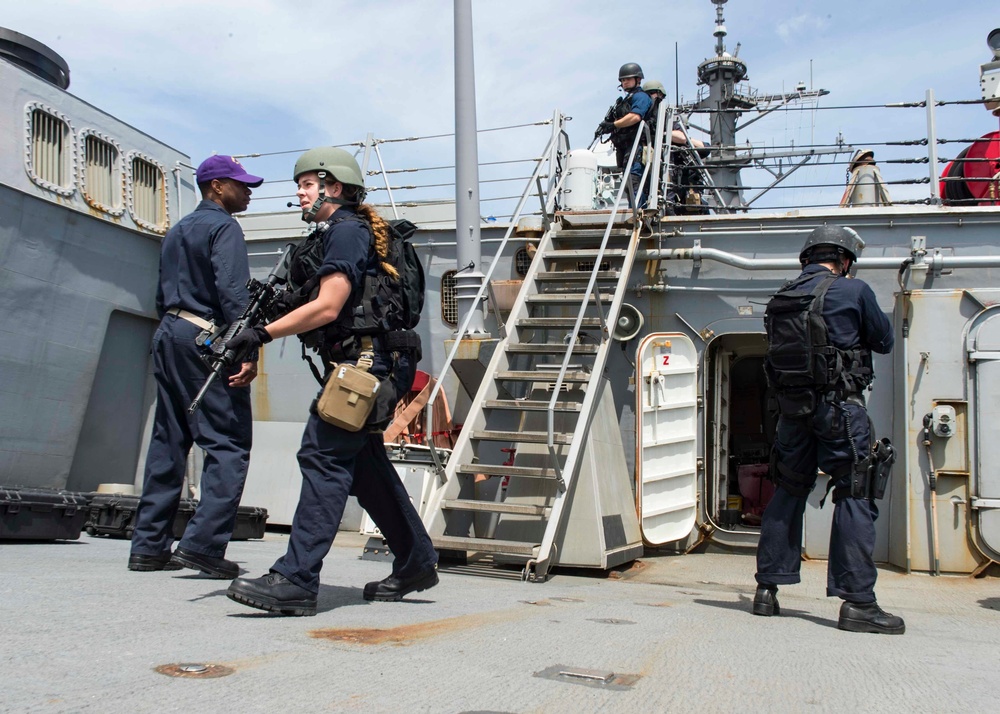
349,394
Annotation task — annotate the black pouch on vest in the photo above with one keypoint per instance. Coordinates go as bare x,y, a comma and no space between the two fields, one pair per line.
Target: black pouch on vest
796,403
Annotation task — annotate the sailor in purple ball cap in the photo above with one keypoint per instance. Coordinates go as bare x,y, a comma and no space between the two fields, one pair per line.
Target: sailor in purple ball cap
203,276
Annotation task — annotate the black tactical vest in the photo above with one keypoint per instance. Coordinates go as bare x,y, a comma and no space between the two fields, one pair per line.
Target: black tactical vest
801,363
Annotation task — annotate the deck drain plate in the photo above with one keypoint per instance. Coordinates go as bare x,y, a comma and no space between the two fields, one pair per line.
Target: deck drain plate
194,670
602,679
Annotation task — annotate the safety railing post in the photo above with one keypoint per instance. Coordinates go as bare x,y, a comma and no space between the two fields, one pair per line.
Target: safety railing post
932,149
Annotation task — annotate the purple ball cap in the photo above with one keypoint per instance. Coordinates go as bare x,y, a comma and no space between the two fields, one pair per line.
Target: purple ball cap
221,166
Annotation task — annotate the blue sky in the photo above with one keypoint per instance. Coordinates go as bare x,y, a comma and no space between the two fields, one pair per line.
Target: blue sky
268,76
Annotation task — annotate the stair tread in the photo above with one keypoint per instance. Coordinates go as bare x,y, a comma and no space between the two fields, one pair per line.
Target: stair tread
551,348
519,509
542,376
484,545
544,472
529,405
566,297
577,253
557,322
526,437
547,275
593,232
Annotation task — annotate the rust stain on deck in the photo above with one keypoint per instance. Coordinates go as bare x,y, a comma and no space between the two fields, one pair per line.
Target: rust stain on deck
406,634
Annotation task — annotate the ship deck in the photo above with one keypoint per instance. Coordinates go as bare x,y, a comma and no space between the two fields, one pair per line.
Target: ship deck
83,634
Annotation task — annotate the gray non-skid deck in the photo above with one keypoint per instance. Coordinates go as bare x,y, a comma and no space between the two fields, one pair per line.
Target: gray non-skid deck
82,633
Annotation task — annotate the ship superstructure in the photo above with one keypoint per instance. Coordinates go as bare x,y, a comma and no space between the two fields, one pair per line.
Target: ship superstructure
617,402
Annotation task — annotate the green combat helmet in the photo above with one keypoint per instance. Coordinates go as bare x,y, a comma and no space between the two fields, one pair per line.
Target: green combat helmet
651,85
330,162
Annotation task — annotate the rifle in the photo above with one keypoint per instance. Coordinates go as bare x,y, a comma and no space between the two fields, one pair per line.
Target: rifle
263,307
610,116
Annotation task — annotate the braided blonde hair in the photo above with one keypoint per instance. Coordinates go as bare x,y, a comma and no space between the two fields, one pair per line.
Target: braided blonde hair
381,230
379,227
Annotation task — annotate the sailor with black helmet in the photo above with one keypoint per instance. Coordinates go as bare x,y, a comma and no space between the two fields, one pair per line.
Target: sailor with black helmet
336,462
623,124
203,275
823,423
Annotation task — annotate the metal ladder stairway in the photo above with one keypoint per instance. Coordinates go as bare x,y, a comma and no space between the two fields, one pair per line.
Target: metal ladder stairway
520,428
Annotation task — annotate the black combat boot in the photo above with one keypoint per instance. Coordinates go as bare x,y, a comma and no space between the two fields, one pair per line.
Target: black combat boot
148,563
273,592
869,617
765,602
218,568
392,588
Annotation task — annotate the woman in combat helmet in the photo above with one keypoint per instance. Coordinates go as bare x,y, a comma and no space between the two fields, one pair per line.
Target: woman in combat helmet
335,462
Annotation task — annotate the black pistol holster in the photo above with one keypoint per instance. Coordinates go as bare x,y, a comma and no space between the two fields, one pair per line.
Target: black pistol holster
870,476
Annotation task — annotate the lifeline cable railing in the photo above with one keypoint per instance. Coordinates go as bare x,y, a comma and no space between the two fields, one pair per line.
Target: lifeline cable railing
399,194
752,155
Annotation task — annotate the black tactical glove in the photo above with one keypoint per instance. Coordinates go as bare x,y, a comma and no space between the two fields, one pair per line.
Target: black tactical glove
249,340
605,127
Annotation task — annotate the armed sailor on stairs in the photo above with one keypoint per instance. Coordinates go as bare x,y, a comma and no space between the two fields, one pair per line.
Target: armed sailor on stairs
623,122
822,328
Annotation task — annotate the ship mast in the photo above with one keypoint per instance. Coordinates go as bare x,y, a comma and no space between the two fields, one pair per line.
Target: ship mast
721,74
724,102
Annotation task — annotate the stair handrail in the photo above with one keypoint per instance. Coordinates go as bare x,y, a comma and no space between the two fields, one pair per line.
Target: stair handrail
639,135
664,119
464,327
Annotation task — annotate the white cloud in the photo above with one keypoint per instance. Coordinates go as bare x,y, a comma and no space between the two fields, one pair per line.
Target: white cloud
799,26
272,75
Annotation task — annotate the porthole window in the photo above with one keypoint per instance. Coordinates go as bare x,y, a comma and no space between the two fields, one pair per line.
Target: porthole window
49,158
522,261
449,297
101,173
147,194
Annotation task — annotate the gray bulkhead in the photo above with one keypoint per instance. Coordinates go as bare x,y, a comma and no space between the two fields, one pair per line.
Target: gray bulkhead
946,315
77,291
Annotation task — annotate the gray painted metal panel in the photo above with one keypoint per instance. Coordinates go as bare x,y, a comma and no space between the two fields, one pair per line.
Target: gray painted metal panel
937,372
63,274
110,438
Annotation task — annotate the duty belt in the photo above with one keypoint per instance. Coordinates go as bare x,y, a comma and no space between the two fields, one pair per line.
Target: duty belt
393,341
191,317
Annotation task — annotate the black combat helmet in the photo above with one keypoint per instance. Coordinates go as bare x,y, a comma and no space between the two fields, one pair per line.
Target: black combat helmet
829,242
629,69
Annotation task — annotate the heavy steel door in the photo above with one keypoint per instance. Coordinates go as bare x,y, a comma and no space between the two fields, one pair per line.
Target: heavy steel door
666,415
983,347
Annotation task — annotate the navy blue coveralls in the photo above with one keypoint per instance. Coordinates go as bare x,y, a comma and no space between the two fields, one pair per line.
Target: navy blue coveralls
853,319
204,270
635,102
337,463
